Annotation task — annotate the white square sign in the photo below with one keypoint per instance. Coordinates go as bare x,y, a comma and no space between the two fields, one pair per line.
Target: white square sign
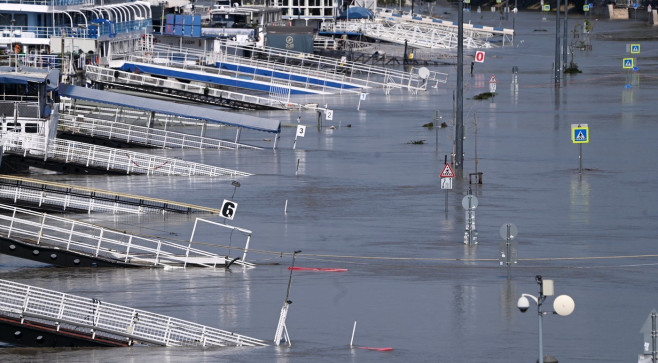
329,115
301,130
446,183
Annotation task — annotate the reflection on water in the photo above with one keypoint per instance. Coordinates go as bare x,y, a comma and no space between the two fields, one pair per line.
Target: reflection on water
579,200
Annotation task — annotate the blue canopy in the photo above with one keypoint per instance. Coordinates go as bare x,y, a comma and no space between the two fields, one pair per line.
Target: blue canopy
356,12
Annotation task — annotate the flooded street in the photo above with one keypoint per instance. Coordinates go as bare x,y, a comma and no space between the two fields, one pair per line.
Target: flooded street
365,196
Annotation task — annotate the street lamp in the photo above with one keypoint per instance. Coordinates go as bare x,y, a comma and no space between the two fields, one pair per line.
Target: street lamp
562,305
236,185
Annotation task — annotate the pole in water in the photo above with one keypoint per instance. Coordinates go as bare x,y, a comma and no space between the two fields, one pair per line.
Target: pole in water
353,330
580,158
297,170
285,207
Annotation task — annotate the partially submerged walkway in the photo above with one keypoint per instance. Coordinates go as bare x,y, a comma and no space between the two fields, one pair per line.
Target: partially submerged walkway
33,316
52,196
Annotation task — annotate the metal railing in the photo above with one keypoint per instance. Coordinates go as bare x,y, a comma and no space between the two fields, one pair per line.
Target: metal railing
88,239
103,319
69,197
142,135
107,158
107,75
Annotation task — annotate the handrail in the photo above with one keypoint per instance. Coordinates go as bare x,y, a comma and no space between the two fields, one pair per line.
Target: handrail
102,319
97,241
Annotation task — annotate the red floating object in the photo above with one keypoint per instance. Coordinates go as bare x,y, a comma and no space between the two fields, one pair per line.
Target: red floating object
387,349
317,269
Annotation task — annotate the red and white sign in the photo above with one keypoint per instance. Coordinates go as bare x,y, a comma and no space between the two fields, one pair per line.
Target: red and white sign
447,172
492,79
479,56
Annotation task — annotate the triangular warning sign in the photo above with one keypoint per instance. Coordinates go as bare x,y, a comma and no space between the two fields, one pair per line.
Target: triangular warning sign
492,79
447,172
580,136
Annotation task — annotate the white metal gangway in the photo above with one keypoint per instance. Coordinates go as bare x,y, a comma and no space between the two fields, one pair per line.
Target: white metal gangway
274,65
51,195
145,80
43,230
107,158
142,135
414,34
364,75
470,30
98,319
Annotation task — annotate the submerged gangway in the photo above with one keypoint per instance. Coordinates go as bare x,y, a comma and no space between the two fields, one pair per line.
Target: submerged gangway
106,159
470,30
50,195
367,76
99,320
68,242
141,135
277,68
413,34
197,91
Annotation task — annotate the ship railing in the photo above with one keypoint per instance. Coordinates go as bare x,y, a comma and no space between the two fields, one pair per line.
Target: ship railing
143,135
91,240
107,158
102,319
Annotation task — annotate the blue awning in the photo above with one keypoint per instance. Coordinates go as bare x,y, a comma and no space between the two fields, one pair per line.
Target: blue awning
170,108
25,75
356,12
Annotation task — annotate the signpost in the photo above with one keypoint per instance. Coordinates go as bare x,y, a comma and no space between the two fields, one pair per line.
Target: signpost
470,202
628,63
362,97
508,249
228,209
492,84
479,56
446,176
301,131
580,136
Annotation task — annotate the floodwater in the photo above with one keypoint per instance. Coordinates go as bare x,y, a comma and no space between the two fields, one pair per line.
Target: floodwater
368,199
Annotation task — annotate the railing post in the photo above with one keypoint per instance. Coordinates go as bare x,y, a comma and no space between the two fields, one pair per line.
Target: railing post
68,244
43,221
157,254
130,241
11,225
100,239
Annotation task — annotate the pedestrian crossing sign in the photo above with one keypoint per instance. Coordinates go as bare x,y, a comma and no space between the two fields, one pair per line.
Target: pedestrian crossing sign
447,172
585,7
579,134
546,7
635,48
628,63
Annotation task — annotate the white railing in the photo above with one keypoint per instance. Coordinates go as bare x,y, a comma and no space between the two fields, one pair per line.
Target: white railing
108,75
142,135
107,158
102,319
88,239
69,197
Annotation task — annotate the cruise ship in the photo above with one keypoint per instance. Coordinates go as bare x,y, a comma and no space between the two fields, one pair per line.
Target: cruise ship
97,29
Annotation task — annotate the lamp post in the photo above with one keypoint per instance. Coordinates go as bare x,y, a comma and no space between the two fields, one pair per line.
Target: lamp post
236,185
562,305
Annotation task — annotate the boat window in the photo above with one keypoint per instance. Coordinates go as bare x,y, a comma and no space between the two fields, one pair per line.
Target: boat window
31,128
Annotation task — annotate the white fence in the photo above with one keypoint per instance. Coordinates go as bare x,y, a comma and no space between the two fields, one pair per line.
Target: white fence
93,240
102,319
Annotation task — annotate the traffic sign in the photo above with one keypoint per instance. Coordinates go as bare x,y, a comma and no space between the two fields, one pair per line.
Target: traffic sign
447,172
228,209
446,183
363,96
492,84
547,7
579,133
470,202
585,7
628,63
635,49
492,79
479,56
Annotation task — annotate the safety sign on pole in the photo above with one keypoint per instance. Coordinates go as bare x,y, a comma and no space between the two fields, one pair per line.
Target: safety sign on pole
447,172
479,56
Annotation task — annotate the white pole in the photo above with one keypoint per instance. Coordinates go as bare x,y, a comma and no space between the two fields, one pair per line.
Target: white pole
353,329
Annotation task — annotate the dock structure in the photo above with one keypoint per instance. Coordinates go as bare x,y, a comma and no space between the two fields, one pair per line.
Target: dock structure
421,32
196,92
67,242
79,157
274,71
34,316
58,197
